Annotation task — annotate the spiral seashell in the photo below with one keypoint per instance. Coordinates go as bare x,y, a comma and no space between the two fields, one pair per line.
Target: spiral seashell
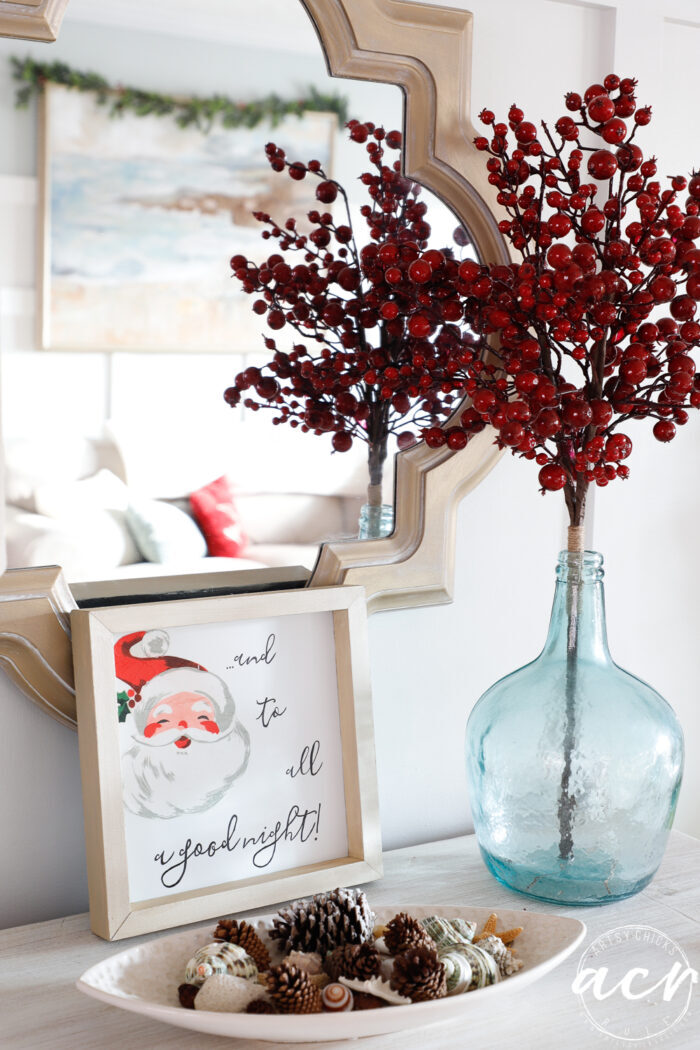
448,932
336,998
218,958
378,987
458,971
483,966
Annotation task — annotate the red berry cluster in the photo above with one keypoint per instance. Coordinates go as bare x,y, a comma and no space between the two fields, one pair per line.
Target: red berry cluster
595,326
381,326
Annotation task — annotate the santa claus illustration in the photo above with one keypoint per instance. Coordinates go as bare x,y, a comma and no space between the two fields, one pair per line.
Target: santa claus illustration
187,746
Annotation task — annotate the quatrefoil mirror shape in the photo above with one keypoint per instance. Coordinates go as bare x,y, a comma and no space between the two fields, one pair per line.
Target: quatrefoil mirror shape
426,51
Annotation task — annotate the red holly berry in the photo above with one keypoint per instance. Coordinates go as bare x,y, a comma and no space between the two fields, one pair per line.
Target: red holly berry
601,108
342,441
602,164
618,447
664,430
326,192
456,438
419,271
552,477
614,131
419,326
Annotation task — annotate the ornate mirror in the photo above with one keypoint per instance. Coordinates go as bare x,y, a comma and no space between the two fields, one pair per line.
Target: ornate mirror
425,51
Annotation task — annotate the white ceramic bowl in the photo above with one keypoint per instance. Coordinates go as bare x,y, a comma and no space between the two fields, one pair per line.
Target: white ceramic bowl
145,979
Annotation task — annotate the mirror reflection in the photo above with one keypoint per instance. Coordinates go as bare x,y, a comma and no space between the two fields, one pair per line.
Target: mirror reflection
122,457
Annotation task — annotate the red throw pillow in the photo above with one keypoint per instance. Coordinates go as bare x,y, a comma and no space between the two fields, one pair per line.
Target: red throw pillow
215,512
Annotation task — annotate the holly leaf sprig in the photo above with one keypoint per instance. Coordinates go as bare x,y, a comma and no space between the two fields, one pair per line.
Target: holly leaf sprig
123,702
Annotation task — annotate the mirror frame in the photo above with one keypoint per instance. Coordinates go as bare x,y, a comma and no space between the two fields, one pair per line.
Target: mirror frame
426,51
32,19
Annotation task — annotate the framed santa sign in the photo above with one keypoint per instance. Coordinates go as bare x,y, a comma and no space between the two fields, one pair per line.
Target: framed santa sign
227,754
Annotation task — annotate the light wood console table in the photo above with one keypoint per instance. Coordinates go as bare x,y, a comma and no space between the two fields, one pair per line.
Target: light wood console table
40,1007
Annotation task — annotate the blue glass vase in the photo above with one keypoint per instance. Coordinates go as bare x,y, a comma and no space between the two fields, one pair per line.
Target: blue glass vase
574,765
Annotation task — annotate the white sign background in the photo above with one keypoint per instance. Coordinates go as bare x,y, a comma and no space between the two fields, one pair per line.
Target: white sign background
161,853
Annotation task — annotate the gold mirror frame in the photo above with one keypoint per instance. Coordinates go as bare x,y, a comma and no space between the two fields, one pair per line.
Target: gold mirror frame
425,50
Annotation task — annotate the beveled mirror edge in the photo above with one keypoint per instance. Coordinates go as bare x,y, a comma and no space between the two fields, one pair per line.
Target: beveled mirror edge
426,51
32,19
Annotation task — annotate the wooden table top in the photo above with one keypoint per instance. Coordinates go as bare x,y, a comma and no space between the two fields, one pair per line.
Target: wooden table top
39,964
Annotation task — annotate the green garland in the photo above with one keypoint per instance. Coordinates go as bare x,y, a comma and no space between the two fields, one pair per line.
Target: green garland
188,112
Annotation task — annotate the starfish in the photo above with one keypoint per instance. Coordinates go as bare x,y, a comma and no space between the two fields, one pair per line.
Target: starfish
489,930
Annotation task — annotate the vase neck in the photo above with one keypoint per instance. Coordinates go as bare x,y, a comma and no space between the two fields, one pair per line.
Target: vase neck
577,627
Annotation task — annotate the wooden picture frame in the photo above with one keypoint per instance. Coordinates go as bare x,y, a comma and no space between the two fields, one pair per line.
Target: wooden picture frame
133,831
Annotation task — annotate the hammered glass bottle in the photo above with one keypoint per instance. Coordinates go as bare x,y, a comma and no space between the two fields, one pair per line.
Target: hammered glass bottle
376,521
574,765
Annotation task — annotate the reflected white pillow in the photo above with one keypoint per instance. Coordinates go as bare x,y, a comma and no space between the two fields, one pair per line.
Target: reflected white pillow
68,499
86,547
163,533
31,462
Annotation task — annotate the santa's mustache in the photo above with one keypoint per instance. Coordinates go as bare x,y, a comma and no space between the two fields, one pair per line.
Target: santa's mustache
169,736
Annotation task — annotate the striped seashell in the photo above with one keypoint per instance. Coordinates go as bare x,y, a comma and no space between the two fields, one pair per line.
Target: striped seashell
458,971
484,968
336,998
375,986
448,932
219,957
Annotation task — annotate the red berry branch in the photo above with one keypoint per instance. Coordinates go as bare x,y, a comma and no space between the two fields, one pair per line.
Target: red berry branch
595,325
379,327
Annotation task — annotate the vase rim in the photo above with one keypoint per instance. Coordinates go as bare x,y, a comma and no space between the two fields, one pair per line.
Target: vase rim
584,566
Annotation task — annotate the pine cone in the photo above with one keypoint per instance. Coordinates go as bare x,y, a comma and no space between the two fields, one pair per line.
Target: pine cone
404,932
359,961
291,990
324,922
187,994
419,975
260,1006
243,934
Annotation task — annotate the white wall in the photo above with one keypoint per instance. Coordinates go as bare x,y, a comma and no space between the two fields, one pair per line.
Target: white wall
430,665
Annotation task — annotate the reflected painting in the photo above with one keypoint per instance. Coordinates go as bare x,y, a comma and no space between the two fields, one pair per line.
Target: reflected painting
142,216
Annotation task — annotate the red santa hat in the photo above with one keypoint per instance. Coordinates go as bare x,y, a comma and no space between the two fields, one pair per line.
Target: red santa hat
142,662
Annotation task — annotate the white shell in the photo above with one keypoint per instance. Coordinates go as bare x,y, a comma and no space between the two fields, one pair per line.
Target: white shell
226,994
375,986
218,958
508,963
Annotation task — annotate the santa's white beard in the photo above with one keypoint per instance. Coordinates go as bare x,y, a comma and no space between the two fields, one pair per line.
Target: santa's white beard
162,780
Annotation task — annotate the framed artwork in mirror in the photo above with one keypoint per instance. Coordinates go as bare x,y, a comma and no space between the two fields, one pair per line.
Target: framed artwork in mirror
140,217
227,754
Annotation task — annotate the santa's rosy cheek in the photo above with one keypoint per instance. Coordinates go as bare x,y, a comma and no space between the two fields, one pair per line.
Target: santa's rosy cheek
151,729
211,727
